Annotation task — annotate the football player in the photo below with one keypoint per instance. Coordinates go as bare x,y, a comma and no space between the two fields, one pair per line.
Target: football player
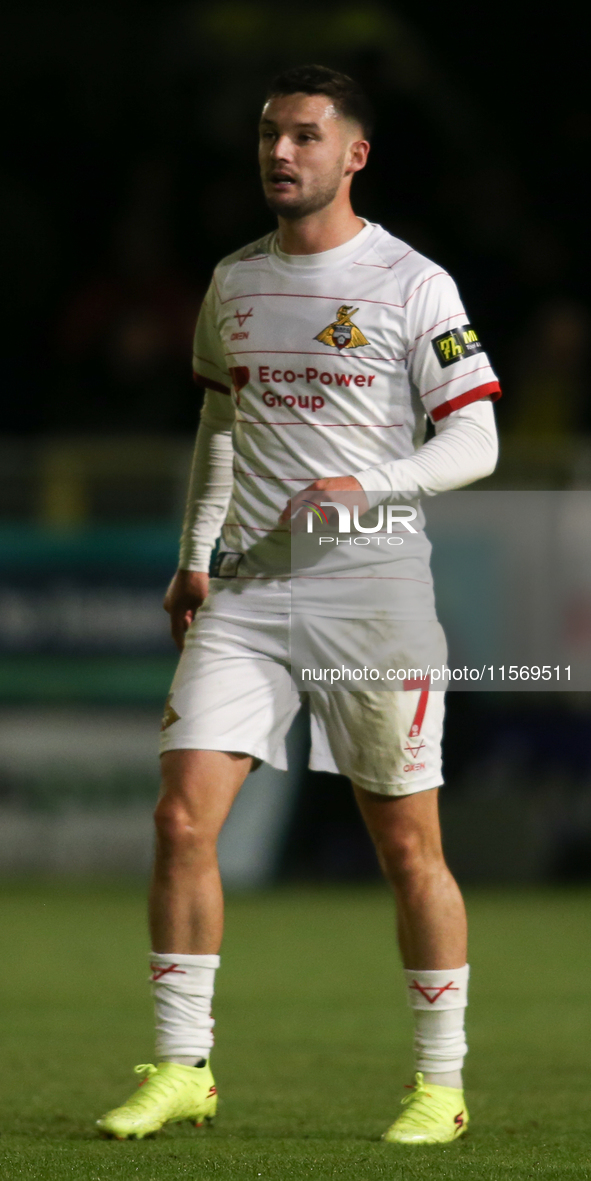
323,348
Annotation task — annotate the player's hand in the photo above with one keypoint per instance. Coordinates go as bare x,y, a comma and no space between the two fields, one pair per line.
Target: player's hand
187,591
332,484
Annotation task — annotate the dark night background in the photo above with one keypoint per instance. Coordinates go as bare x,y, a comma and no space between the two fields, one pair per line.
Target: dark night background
129,169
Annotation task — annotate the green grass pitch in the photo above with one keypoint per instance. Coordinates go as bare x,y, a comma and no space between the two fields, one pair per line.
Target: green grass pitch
313,1039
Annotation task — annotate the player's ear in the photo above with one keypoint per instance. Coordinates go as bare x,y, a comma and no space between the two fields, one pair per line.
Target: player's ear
358,153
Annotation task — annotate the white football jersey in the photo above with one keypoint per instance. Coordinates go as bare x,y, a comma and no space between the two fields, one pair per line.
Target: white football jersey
332,362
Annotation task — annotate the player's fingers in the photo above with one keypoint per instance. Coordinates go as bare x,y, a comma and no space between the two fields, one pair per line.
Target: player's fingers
179,622
296,503
291,512
177,632
174,606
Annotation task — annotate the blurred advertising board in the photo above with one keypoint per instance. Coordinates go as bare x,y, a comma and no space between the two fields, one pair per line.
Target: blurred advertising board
81,612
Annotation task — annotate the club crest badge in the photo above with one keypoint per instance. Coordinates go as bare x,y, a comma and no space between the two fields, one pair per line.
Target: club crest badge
343,333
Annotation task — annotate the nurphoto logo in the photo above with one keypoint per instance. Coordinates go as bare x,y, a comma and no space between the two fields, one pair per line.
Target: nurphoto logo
395,515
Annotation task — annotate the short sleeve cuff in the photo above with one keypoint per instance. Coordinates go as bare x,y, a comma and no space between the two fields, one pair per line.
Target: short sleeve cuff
490,389
209,383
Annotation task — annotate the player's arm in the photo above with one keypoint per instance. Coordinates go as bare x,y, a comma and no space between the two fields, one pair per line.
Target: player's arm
452,378
210,485
210,488
465,448
211,475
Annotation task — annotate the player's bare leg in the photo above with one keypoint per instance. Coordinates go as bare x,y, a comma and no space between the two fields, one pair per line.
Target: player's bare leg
186,903
186,919
433,939
405,830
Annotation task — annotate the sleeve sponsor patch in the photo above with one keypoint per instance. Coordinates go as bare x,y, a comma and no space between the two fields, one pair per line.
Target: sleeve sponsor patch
455,345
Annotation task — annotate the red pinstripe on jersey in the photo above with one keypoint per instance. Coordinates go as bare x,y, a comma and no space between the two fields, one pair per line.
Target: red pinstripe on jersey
208,361
446,319
255,528
458,377
238,471
382,266
381,426
333,298
307,353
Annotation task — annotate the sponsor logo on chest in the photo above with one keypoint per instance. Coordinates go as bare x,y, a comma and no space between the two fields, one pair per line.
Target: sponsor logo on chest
310,376
270,376
341,335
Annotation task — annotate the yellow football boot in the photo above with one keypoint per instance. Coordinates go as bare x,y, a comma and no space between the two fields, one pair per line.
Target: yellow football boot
169,1093
432,1115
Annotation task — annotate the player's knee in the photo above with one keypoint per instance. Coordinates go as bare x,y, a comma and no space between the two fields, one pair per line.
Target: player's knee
406,854
178,830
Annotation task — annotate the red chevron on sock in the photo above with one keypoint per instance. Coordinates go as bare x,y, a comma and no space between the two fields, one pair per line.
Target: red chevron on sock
426,989
159,971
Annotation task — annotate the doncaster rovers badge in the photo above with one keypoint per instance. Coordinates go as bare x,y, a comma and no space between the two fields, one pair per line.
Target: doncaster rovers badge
343,333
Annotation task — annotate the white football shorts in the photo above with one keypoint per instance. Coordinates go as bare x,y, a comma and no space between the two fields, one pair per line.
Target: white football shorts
233,691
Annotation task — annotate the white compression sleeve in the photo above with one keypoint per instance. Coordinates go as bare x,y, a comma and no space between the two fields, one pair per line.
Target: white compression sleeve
210,485
465,448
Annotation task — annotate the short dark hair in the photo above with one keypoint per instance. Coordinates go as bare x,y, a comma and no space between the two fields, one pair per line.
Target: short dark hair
349,99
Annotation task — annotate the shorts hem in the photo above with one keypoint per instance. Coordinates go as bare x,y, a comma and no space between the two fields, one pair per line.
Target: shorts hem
262,755
396,789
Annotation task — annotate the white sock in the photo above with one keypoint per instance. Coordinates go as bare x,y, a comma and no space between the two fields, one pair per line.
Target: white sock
182,987
438,1000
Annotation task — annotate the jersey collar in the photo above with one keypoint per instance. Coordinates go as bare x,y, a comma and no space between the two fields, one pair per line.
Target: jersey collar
326,258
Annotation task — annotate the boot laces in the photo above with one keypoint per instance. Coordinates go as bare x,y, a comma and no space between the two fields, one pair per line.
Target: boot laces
419,1107
160,1085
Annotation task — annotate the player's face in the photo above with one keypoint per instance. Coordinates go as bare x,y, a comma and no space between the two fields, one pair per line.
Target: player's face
306,152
